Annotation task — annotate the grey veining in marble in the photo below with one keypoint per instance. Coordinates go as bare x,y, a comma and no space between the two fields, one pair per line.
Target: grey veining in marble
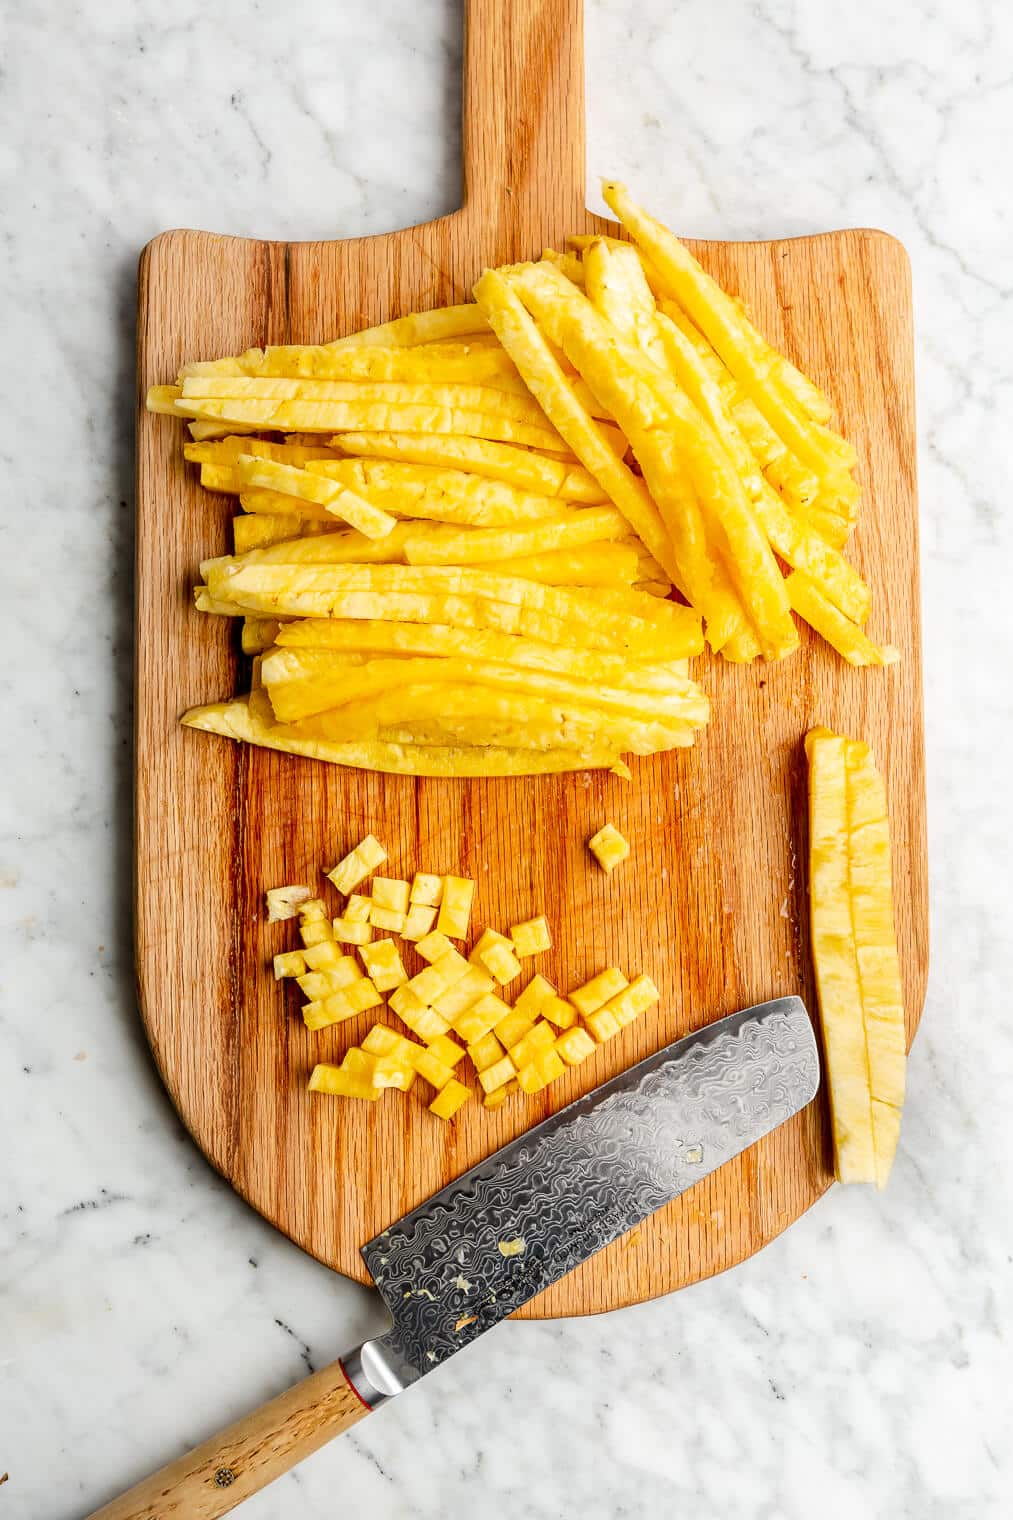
861,1365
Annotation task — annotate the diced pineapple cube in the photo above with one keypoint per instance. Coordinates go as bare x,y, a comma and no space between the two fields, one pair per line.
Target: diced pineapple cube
390,1071
432,1070
420,1018
382,1041
486,938
439,977
357,909
391,919
483,1015
391,892
315,931
357,864
603,1025
290,963
339,1006
532,936
513,1027
418,922
446,1050
315,908
608,847
632,1001
496,1076
318,984
464,994
451,1097
455,906
498,1098
536,1074
322,957
535,995
595,993
313,1014
284,902
499,960
575,1045
622,770
541,1037
427,890
352,934
383,963
342,1082
559,1012
432,946
486,1052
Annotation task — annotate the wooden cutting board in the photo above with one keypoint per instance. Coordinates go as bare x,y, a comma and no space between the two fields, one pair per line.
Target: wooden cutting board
713,900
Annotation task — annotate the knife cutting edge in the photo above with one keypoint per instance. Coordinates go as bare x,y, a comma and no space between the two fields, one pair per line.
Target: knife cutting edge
510,1227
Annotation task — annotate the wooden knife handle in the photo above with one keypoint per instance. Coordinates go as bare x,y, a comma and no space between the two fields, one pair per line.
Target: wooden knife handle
216,1476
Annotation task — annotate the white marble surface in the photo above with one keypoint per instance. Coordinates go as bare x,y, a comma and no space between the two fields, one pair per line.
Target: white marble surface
861,1365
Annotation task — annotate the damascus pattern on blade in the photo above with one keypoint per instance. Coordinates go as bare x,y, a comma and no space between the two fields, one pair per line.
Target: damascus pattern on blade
517,1222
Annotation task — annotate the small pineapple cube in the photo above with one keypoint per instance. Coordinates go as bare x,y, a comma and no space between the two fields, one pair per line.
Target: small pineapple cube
545,1068
541,1037
427,891
339,1006
498,1075
390,919
315,931
632,1001
484,1014
447,1050
383,1041
464,994
322,957
559,1012
342,1082
451,1097
315,908
532,936
432,946
347,933
486,1052
439,977
498,1098
608,847
622,770
575,1045
383,964
538,992
595,993
283,902
390,1071
317,984
513,1027
357,909
501,962
432,1070
603,1025
455,906
407,1004
486,938
420,1018
418,922
313,1015
357,865
291,963
391,892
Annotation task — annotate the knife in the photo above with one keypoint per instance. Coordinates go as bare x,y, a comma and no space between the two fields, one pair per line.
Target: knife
501,1233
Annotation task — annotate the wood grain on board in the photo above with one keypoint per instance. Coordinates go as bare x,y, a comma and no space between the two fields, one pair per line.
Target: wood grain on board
712,902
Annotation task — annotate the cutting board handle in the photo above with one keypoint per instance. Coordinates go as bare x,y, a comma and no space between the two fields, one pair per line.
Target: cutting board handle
523,114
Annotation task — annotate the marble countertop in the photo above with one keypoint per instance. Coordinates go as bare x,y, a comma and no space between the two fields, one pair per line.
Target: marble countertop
862,1362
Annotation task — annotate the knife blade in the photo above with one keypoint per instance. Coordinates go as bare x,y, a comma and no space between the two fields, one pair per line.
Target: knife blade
514,1224
472,1254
